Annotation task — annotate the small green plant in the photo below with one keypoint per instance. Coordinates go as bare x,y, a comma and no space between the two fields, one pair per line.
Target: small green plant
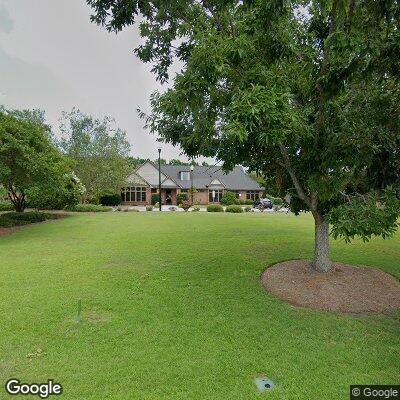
229,198
234,208
149,208
215,208
248,202
155,198
88,208
181,197
247,209
185,205
6,206
195,209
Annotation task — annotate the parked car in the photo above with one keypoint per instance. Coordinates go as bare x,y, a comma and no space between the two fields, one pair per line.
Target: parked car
263,203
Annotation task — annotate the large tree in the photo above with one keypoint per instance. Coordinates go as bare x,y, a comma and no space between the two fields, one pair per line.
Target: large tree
304,92
28,158
98,149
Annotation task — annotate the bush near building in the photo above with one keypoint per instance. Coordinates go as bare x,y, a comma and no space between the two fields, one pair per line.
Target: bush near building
229,198
215,208
234,208
181,197
155,198
111,199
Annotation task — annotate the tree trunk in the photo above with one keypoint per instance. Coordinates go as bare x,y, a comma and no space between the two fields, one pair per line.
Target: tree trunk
321,261
18,200
19,207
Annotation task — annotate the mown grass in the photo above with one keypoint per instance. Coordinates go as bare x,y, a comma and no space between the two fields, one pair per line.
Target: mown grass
173,308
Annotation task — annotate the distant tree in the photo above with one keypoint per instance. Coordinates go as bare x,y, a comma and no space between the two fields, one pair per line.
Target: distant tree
36,115
28,159
135,162
306,92
98,149
175,161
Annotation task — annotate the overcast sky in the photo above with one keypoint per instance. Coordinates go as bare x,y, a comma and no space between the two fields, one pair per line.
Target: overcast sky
52,57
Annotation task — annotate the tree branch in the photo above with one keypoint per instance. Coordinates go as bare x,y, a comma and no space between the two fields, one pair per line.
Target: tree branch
297,185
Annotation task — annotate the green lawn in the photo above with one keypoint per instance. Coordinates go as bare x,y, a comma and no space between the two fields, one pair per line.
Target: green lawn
173,308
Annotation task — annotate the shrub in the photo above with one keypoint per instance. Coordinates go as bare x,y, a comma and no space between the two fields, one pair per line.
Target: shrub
185,205
229,198
275,200
172,208
181,197
3,193
6,206
234,208
195,209
111,199
56,197
88,208
155,198
149,208
247,209
24,218
248,202
215,208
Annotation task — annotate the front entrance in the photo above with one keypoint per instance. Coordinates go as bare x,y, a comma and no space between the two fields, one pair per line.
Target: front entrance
168,197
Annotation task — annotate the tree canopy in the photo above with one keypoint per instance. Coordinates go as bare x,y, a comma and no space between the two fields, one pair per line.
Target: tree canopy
28,158
98,149
304,92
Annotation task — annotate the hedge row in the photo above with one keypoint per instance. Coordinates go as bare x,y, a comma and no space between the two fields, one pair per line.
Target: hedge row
88,208
233,208
23,218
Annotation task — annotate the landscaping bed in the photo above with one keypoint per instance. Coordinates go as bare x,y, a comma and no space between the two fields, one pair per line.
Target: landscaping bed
15,219
346,289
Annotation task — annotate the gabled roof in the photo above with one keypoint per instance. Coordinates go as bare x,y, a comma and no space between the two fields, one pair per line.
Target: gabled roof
203,177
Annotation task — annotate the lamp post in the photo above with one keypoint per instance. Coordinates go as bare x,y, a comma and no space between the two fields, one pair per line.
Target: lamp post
191,182
159,179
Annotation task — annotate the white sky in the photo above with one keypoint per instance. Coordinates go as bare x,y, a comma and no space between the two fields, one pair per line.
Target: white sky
52,57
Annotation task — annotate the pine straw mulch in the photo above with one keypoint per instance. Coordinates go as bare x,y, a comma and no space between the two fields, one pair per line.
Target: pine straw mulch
345,289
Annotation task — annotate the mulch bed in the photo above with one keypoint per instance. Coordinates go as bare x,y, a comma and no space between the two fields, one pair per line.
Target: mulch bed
346,289
8,231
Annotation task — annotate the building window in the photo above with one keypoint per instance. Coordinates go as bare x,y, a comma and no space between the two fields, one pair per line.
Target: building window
185,175
134,194
237,193
252,195
217,196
